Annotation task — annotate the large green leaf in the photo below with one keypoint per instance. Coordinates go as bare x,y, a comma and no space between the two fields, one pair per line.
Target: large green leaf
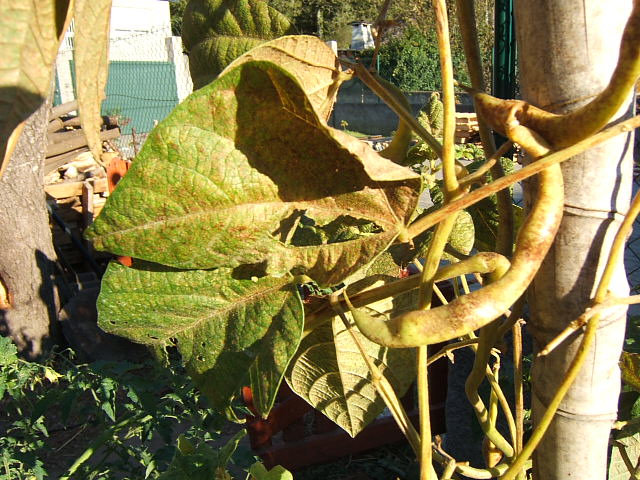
30,33
630,368
91,39
223,180
215,32
329,372
223,326
629,443
308,59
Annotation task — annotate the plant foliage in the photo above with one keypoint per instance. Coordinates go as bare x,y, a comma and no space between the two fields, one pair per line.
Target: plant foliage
56,415
411,61
224,200
215,32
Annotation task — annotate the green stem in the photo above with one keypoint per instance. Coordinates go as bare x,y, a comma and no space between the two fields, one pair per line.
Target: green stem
518,386
432,261
496,389
443,230
101,440
533,168
426,459
451,187
625,458
479,175
472,472
486,341
450,348
469,31
371,82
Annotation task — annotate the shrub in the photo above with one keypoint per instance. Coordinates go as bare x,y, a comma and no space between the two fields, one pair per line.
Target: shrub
411,62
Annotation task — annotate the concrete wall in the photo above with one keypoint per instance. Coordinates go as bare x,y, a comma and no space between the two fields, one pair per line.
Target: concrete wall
364,112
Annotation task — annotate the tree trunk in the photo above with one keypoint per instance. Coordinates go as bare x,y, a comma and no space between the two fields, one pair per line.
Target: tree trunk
26,249
568,49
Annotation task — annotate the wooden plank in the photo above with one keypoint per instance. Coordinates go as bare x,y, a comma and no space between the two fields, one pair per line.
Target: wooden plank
51,163
87,210
107,120
55,124
59,123
77,141
63,109
73,189
65,136
87,203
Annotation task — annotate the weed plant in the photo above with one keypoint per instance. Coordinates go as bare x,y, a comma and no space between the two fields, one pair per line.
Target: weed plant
103,420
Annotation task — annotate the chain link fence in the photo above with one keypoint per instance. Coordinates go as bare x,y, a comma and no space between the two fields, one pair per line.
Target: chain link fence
148,77
632,251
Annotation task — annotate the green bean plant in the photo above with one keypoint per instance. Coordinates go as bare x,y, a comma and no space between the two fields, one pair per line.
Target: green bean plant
243,197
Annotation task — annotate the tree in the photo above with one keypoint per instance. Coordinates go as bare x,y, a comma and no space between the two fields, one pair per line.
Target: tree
176,9
28,309
27,259
410,61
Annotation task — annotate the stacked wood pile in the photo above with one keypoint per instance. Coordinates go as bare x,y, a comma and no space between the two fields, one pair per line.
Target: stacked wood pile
467,131
75,183
66,139
466,128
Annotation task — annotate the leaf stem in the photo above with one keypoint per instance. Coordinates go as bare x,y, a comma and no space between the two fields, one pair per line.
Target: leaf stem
371,82
379,381
479,174
451,187
426,462
502,400
444,351
518,386
469,32
480,365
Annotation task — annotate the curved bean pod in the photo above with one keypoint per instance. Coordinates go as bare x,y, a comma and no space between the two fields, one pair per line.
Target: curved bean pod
532,128
477,309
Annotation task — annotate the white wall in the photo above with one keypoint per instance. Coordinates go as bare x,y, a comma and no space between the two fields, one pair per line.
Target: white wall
137,16
138,30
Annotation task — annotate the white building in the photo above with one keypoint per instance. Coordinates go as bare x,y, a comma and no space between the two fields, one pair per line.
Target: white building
148,72
361,36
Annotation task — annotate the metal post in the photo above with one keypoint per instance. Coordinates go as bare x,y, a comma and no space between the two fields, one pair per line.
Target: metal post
503,83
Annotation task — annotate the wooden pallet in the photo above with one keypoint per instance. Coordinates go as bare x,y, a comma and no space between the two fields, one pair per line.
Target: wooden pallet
467,129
